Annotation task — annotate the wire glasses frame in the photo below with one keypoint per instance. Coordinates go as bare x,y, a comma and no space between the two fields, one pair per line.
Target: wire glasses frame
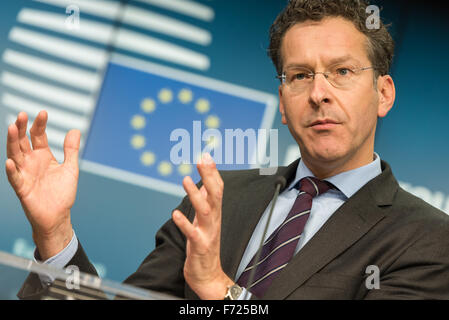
298,79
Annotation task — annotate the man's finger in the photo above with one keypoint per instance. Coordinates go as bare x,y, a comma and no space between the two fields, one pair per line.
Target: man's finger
211,180
184,225
13,151
21,123
37,131
203,191
197,199
71,148
14,176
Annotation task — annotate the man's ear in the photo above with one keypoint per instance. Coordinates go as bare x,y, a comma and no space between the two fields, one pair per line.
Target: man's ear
387,94
281,106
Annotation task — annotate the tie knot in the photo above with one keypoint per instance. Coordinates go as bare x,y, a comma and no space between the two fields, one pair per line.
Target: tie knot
314,186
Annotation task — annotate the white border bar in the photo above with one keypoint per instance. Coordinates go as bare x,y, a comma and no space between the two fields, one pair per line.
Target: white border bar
68,50
127,40
65,74
186,7
163,50
56,117
132,178
169,26
139,17
106,9
195,79
52,94
88,30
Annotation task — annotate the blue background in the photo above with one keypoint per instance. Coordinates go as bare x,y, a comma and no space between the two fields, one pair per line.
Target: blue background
110,216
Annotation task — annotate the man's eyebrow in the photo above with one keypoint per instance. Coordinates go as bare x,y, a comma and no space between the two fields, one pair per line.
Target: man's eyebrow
343,59
332,62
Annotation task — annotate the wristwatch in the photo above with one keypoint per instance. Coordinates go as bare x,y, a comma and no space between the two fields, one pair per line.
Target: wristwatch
234,292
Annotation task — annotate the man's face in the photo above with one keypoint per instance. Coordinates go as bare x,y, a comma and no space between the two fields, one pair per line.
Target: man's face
317,46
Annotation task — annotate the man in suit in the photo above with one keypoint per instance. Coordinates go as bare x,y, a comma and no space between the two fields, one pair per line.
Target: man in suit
334,86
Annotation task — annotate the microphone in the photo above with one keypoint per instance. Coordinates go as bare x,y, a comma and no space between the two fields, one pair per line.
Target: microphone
280,180
279,183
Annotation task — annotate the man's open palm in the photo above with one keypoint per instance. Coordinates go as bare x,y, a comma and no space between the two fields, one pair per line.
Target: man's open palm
46,189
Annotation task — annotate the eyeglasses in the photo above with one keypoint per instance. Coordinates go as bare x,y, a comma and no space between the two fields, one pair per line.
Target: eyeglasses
299,79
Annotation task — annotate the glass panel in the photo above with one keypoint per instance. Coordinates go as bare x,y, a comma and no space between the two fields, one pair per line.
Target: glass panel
70,284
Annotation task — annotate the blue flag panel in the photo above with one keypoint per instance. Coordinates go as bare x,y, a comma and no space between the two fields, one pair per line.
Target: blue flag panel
138,111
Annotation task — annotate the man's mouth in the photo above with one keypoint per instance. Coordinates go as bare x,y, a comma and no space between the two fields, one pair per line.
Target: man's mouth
324,124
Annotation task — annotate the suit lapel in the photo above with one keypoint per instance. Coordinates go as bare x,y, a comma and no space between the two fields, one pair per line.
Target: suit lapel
240,217
348,224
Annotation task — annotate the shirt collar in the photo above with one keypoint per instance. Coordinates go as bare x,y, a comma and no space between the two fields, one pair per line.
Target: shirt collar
348,182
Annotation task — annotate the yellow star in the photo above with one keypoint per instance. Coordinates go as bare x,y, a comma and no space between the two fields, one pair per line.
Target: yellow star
138,122
185,169
212,122
148,158
202,105
185,96
148,105
165,96
165,168
138,141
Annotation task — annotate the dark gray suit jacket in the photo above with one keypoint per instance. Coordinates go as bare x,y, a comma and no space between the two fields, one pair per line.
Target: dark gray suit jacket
380,225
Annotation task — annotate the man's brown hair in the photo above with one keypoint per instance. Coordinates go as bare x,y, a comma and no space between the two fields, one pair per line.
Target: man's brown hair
380,44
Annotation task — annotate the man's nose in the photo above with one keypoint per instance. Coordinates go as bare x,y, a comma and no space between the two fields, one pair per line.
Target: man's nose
319,90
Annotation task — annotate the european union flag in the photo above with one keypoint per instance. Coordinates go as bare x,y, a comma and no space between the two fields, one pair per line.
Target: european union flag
142,104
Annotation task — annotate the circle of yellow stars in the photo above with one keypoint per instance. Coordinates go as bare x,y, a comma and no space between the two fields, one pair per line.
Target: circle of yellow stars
148,106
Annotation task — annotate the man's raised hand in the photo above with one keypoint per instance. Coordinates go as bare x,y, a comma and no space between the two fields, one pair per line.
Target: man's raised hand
46,189
202,268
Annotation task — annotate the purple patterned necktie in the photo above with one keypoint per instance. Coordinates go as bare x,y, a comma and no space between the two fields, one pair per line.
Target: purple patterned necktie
279,248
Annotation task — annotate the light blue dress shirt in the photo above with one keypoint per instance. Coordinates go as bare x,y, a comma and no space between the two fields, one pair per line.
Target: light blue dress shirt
323,206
